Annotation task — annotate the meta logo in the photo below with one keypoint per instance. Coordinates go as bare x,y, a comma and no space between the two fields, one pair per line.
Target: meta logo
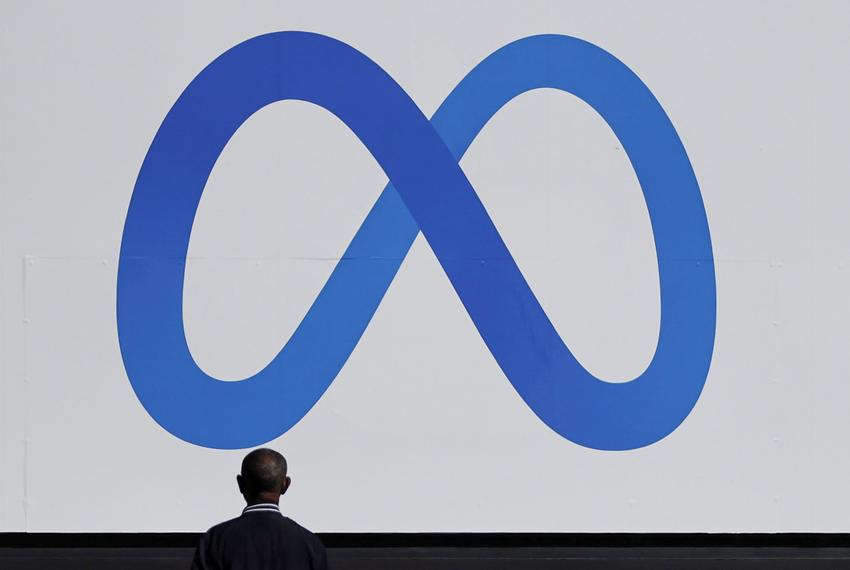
427,192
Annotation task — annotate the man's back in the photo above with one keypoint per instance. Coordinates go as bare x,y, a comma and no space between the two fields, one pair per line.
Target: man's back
260,539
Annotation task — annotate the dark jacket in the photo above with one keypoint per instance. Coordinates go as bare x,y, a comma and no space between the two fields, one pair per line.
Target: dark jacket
260,539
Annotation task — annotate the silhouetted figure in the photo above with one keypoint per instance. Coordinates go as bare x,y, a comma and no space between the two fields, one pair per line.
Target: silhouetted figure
262,538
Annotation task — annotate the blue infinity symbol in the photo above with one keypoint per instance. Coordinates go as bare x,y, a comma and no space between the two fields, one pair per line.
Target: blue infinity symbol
428,192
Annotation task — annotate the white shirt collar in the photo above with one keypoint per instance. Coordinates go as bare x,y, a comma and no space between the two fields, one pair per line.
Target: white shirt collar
261,507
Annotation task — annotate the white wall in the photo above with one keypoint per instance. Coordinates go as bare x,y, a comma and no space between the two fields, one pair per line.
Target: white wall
408,439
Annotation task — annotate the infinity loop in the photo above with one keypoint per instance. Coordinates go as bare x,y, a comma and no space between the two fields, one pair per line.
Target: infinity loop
428,192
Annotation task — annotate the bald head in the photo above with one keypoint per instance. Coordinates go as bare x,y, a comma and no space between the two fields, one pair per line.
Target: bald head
263,475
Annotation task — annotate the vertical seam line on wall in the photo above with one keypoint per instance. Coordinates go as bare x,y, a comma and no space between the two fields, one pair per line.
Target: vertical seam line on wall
27,262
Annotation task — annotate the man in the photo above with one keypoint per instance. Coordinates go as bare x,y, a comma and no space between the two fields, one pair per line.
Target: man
262,538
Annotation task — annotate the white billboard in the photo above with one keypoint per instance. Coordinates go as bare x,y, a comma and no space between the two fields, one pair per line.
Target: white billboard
472,267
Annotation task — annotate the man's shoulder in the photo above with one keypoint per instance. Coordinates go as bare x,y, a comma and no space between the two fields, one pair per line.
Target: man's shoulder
222,527
298,529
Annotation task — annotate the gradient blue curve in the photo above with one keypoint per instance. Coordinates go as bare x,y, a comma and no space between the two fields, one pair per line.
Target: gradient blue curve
428,193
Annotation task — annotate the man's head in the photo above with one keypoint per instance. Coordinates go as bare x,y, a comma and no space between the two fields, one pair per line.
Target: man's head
263,477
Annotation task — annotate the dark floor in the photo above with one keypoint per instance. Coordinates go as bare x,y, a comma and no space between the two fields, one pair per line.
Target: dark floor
445,558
